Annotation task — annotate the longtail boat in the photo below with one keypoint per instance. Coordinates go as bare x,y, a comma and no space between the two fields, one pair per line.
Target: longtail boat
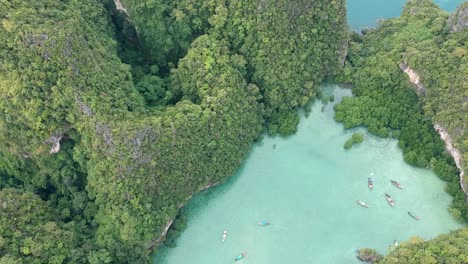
397,184
414,216
370,183
389,200
224,236
241,256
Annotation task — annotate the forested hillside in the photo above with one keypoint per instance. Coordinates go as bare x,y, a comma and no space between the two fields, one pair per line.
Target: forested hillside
287,44
111,122
390,104
446,248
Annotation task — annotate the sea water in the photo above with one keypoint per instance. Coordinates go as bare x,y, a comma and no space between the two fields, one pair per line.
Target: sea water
306,186
365,13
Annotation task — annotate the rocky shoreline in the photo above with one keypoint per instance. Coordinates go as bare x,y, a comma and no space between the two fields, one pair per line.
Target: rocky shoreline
161,237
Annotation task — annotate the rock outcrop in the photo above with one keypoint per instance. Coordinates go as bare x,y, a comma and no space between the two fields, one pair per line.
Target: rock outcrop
343,52
453,151
119,6
458,20
55,141
415,79
162,236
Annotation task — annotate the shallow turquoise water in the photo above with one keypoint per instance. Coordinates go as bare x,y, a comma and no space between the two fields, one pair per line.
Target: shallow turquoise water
307,186
362,13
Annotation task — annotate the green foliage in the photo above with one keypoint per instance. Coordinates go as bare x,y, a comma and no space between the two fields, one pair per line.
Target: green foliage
179,225
166,28
448,248
274,38
47,69
199,82
386,102
153,89
356,138
287,56
283,123
153,164
30,231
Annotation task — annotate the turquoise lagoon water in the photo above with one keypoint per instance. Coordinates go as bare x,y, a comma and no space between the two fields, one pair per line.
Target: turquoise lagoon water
362,13
307,186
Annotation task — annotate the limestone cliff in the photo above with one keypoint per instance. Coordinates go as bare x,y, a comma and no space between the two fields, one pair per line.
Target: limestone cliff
119,6
415,79
458,20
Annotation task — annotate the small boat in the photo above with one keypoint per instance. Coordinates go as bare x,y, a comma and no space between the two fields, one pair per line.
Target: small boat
263,223
370,183
362,203
389,200
224,236
398,185
414,216
241,256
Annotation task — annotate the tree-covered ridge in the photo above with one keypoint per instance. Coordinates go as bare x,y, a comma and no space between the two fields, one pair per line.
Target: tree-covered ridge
166,28
441,59
289,49
159,162
114,150
47,53
448,248
386,102
286,44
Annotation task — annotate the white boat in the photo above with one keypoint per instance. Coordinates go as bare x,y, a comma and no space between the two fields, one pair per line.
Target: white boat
397,184
224,236
389,200
362,203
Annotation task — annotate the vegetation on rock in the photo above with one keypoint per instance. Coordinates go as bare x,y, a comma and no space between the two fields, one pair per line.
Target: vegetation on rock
447,248
386,102
109,148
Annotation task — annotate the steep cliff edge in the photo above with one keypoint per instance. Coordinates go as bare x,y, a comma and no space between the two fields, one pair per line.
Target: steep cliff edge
119,6
427,113
458,20
415,79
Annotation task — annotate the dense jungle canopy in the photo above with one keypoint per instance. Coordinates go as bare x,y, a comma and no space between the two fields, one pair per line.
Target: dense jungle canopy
111,120
446,248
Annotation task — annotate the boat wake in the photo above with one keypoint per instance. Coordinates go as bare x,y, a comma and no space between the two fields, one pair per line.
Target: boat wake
282,227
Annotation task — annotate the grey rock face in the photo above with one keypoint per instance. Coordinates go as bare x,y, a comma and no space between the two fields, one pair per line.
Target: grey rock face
458,20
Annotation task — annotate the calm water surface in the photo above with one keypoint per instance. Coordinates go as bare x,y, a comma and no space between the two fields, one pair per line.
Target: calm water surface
362,13
307,186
